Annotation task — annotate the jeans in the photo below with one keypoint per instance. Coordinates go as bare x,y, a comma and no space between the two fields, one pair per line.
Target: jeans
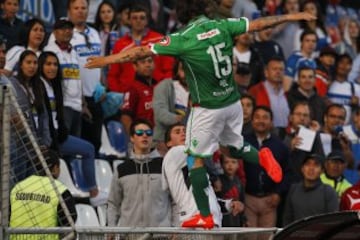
76,146
72,120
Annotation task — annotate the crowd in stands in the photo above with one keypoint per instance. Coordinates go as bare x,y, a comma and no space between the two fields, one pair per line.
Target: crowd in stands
300,95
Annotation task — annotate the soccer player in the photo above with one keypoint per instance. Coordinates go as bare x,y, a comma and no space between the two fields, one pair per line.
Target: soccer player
204,46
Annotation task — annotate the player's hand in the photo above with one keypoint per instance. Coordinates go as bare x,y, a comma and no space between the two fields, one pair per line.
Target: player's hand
302,16
96,62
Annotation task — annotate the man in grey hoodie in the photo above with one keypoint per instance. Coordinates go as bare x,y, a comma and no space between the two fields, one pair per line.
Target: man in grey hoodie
136,198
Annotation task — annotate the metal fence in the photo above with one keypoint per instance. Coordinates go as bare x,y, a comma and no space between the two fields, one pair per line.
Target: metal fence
119,233
18,146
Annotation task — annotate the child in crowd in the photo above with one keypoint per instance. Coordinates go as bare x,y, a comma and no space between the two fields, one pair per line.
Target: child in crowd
231,189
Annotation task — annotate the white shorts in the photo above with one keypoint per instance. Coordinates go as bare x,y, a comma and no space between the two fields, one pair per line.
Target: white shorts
207,128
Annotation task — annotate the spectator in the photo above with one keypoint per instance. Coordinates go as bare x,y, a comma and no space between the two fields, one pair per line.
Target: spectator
332,137
282,34
175,135
334,13
10,25
301,58
2,53
170,103
224,8
175,179
310,196
69,146
29,212
136,198
266,47
247,60
232,189
316,26
349,43
86,42
32,38
354,75
30,94
120,76
350,199
304,91
138,101
352,131
324,66
105,23
270,93
262,195
248,104
300,117
333,174
342,91
122,21
70,71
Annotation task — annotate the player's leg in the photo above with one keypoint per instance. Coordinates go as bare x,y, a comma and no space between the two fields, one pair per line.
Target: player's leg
202,133
233,145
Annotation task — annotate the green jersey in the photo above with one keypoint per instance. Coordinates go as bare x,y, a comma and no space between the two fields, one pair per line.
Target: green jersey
205,47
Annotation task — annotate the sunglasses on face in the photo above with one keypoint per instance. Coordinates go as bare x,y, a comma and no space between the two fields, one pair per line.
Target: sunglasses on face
141,132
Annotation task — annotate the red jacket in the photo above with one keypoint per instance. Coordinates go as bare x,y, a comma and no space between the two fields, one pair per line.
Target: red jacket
138,100
258,91
121,75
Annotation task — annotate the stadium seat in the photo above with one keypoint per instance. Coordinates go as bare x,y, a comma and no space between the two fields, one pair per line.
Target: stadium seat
66,179
77,174
117,136
106,147
101,211
86,216
103,174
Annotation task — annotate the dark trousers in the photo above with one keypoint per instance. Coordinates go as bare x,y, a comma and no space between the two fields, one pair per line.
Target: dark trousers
91,128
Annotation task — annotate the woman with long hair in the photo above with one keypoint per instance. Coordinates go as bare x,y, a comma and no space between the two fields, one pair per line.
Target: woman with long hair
29,93
33,38
68,145
317,25
106,24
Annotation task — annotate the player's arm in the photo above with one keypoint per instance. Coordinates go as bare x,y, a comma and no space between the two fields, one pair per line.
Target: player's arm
128,55
265,22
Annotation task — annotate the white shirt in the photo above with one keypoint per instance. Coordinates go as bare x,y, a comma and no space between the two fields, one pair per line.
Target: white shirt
71,82
89,77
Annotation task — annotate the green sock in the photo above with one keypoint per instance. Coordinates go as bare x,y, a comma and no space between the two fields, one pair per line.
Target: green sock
199,182
247,153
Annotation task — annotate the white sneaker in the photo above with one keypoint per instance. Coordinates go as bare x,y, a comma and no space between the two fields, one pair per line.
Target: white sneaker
100,199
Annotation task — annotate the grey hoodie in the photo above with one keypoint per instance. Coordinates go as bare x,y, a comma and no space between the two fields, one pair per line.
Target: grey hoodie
136,198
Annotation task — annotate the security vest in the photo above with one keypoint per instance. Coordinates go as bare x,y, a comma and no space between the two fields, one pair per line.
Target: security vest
34,203
339,185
